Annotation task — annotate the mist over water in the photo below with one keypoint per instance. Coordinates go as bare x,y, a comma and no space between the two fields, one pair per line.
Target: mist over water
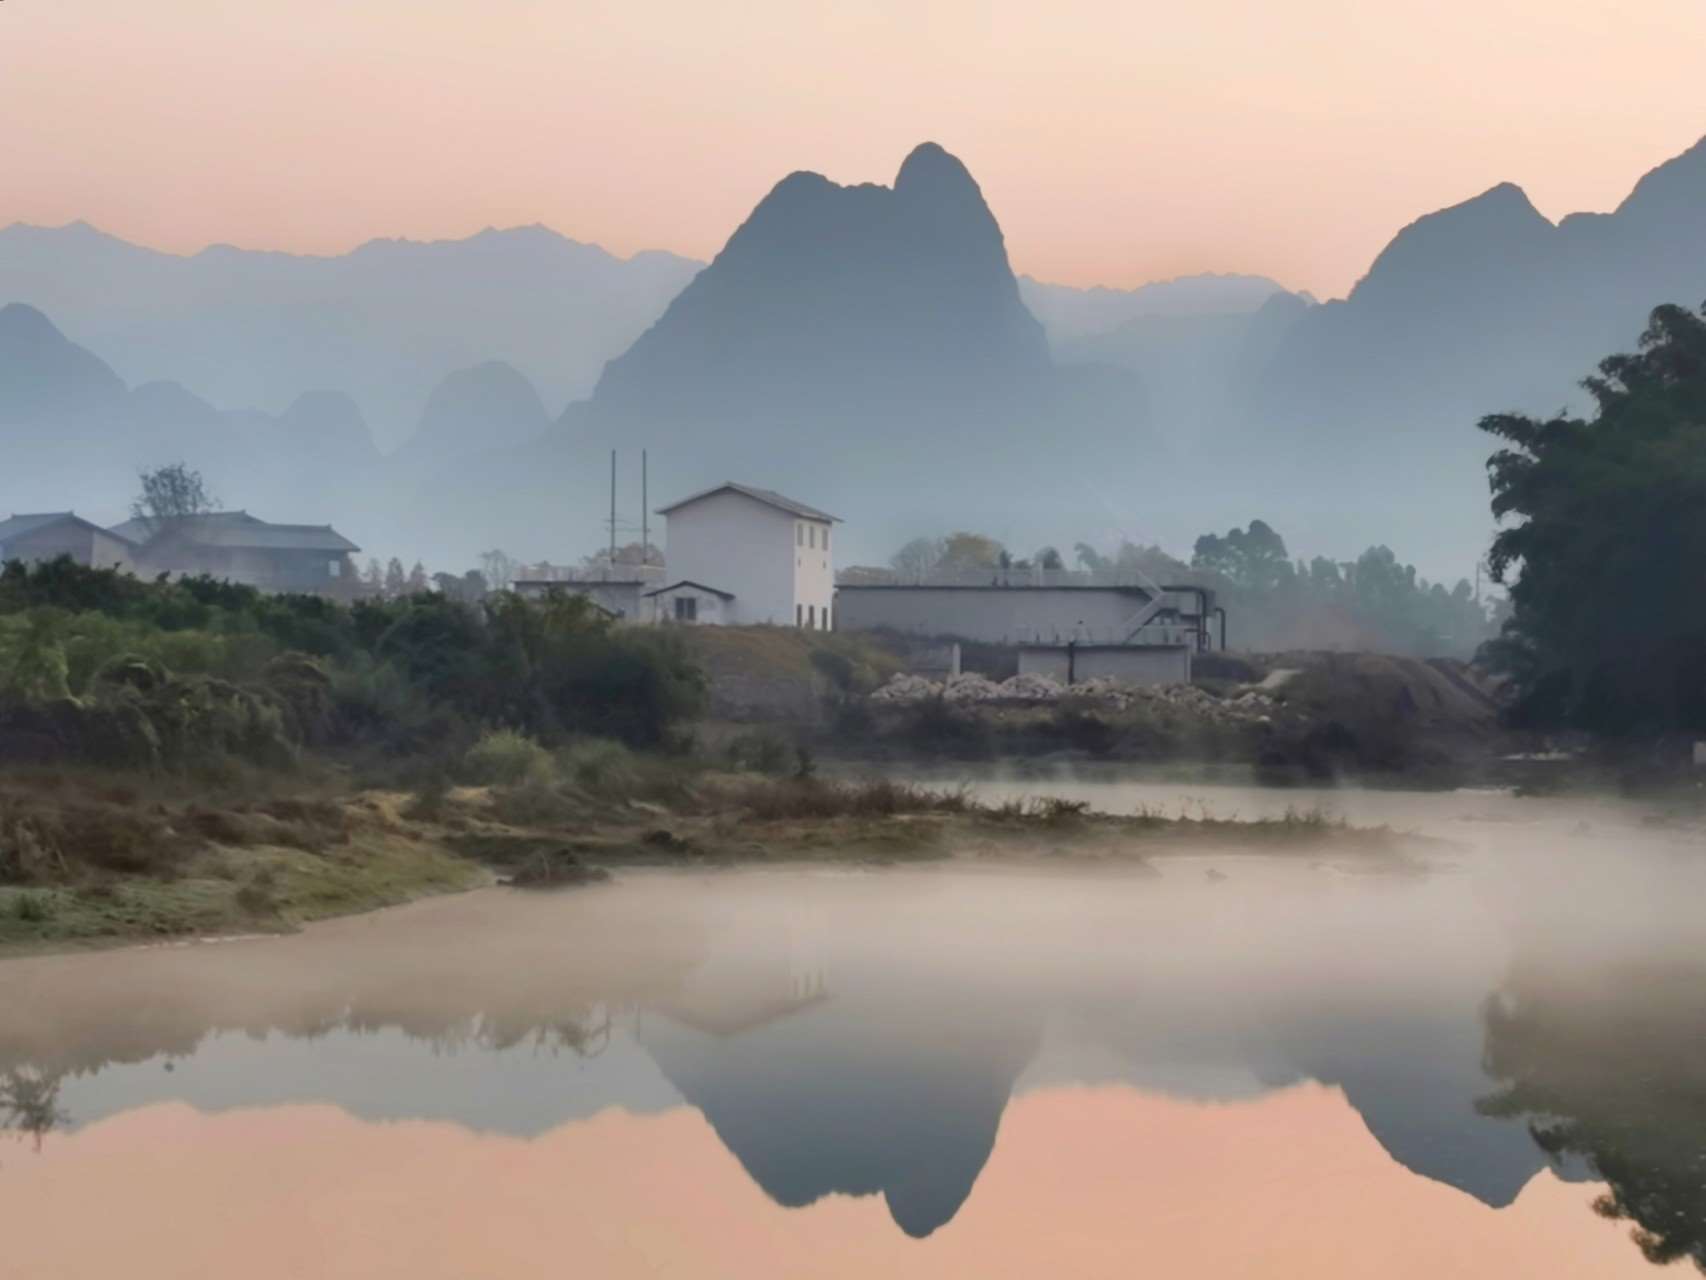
931,1070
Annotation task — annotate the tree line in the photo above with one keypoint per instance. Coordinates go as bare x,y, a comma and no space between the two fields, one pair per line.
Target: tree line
1274,602
99,665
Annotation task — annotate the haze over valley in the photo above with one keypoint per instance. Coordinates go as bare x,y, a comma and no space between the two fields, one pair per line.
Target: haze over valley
866,344
942,638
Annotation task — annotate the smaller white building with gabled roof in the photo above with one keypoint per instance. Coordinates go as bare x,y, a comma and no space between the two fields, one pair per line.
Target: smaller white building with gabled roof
747,556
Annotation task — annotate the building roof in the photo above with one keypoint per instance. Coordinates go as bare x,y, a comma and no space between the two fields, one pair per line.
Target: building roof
697,586
578,584
1121,587
769,497
241,530
19,526
1100,646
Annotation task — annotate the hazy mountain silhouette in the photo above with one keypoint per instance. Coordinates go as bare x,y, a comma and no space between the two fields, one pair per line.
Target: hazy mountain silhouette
488,406
867,347
826,288
1070,314
327,427
62,415
859,344
43,374
383,322
1482,307
74,435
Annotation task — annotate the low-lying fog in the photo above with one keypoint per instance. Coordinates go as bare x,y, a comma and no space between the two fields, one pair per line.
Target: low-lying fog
1237,1065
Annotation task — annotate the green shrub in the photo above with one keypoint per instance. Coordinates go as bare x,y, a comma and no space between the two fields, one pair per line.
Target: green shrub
1085,730
761,751
598,764
536,802
259,895
427,803
505,757
937,726
1058,809
95,664
34,908
303,689
811,799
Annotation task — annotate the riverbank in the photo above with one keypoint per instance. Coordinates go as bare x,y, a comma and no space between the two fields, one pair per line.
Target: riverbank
93,858
1299,717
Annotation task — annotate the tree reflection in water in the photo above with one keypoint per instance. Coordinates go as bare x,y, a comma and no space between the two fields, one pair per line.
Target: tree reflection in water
29,1104
1608,1066
580,1032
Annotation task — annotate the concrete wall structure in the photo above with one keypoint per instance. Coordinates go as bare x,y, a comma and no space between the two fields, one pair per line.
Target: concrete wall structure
1144,664
1003,615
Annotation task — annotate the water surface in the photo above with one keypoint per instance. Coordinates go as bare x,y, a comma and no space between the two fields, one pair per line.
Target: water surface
1242,1066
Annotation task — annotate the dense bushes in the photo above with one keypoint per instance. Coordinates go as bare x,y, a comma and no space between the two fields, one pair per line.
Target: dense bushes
505,756
98,665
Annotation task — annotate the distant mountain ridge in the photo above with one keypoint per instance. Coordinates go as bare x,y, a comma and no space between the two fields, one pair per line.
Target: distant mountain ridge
1072,314
1482,307
867,347
382,323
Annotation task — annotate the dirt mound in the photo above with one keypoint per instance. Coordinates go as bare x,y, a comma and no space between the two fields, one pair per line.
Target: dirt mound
1440,694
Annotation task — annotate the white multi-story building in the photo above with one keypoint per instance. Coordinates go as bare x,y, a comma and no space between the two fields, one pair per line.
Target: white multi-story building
738,555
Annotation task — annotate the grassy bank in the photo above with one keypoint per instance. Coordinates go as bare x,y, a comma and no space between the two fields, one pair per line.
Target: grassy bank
193,757
89,856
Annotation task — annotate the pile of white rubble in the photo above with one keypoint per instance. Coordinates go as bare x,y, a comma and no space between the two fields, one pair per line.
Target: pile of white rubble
1251,705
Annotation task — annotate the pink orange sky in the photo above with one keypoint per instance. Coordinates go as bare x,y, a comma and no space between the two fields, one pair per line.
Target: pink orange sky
1118,141
1082,1182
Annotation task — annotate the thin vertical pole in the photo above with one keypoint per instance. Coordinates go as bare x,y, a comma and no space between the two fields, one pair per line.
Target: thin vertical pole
612,560
645,516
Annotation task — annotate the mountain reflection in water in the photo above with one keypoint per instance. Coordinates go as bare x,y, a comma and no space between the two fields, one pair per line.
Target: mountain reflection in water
1293,1068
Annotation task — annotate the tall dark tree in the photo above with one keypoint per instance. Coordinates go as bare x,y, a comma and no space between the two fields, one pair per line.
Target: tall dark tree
1606,526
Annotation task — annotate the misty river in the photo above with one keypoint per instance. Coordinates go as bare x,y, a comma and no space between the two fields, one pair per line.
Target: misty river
1225,1066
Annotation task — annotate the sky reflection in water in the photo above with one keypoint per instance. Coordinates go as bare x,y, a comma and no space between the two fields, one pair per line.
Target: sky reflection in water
982,1072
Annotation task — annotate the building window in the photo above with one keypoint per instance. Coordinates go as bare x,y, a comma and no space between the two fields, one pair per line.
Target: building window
334,568
811,536
799,535
799,615
687,608
826,538
811,617
826,625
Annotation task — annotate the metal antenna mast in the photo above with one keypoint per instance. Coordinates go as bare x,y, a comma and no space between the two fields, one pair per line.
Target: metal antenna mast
611,563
